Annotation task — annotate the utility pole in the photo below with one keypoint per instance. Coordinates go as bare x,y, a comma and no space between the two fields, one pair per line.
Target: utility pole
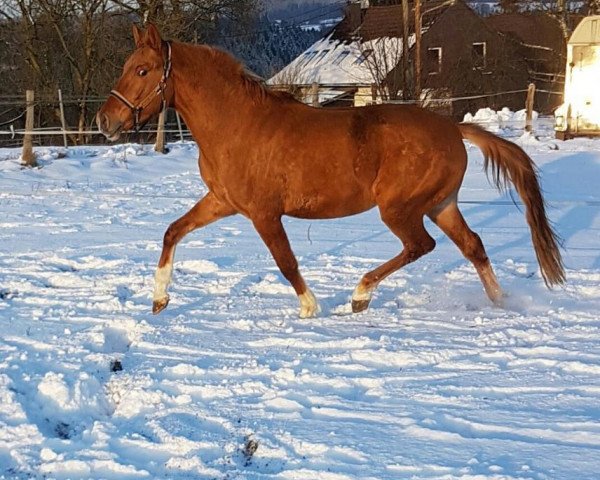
418,65
405,93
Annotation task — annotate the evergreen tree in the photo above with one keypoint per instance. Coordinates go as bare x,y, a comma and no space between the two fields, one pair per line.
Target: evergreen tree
266,47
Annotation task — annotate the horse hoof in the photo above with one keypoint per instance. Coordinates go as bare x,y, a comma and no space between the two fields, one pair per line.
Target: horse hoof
360,305
159,305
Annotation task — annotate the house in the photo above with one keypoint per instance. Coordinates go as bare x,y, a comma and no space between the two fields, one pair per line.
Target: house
543,47
580,113
360,61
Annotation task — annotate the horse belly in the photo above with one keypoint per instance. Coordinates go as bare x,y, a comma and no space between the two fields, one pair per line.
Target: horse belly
333,202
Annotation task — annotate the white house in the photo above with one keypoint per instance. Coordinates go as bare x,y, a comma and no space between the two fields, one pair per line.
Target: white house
580,112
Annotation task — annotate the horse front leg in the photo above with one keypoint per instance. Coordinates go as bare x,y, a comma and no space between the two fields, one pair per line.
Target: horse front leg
272,233
208,210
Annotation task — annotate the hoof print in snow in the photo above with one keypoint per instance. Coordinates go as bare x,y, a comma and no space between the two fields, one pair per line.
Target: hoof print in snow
6,294
116,366
250,447
63,430
124,293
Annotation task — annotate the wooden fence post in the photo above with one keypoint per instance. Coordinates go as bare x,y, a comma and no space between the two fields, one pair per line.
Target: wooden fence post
373,93
63,122
160,133
529,107
28,157
179,125
315,94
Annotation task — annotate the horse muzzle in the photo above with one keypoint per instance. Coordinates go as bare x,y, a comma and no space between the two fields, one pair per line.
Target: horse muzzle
109,128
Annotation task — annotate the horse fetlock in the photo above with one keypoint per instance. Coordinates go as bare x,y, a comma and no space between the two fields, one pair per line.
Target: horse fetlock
496,295
162,278
309,307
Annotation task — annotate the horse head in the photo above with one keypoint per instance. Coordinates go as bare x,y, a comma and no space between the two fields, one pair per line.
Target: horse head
143,90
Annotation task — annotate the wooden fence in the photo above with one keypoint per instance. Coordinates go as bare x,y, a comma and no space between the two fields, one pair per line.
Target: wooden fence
176,129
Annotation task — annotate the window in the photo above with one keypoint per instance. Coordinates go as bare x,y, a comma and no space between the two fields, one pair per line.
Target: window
363,56
434,60
308,56
478,54
321,56
341,57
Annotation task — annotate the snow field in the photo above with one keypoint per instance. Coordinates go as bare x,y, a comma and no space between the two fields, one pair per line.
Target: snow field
432,382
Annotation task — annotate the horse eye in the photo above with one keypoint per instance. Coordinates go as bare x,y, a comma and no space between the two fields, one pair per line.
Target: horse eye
142,73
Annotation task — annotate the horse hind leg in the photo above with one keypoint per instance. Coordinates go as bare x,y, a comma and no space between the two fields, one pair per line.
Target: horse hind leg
416,243
453,224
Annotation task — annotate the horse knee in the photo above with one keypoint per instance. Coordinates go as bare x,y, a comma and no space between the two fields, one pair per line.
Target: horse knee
170,236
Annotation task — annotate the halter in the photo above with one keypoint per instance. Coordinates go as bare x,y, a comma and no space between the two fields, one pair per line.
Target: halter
159,90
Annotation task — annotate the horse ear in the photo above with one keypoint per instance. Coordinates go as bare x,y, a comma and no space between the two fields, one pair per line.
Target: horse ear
153,38
137,36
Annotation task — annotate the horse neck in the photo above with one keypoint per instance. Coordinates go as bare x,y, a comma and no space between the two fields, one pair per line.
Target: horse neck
212,102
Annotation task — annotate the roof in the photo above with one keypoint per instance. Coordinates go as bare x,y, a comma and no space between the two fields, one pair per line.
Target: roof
531,29
364,41
336,62
386,21
587,32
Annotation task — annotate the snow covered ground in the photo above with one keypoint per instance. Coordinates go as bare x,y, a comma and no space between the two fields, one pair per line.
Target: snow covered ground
227,383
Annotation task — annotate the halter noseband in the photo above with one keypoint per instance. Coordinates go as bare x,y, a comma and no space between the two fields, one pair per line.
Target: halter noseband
159,90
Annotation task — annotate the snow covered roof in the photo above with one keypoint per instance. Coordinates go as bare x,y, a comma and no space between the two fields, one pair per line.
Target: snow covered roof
335,62
342,59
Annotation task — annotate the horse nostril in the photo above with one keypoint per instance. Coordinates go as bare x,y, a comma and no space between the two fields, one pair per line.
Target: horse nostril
103,122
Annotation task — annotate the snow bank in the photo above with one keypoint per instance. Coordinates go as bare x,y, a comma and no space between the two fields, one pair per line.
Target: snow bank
496,120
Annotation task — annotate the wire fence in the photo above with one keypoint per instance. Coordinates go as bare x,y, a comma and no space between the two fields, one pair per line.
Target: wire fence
71,191
13,111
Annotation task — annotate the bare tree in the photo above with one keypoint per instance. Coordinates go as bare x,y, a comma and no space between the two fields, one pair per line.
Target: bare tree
187,19
291,80
593,7
383,59
79,45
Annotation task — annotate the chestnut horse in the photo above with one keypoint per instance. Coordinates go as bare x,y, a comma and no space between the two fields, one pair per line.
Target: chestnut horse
265,155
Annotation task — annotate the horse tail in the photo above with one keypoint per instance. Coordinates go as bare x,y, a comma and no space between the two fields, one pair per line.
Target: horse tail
509,163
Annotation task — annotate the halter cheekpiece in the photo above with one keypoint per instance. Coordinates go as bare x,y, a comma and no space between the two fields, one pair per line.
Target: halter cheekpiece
159,90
